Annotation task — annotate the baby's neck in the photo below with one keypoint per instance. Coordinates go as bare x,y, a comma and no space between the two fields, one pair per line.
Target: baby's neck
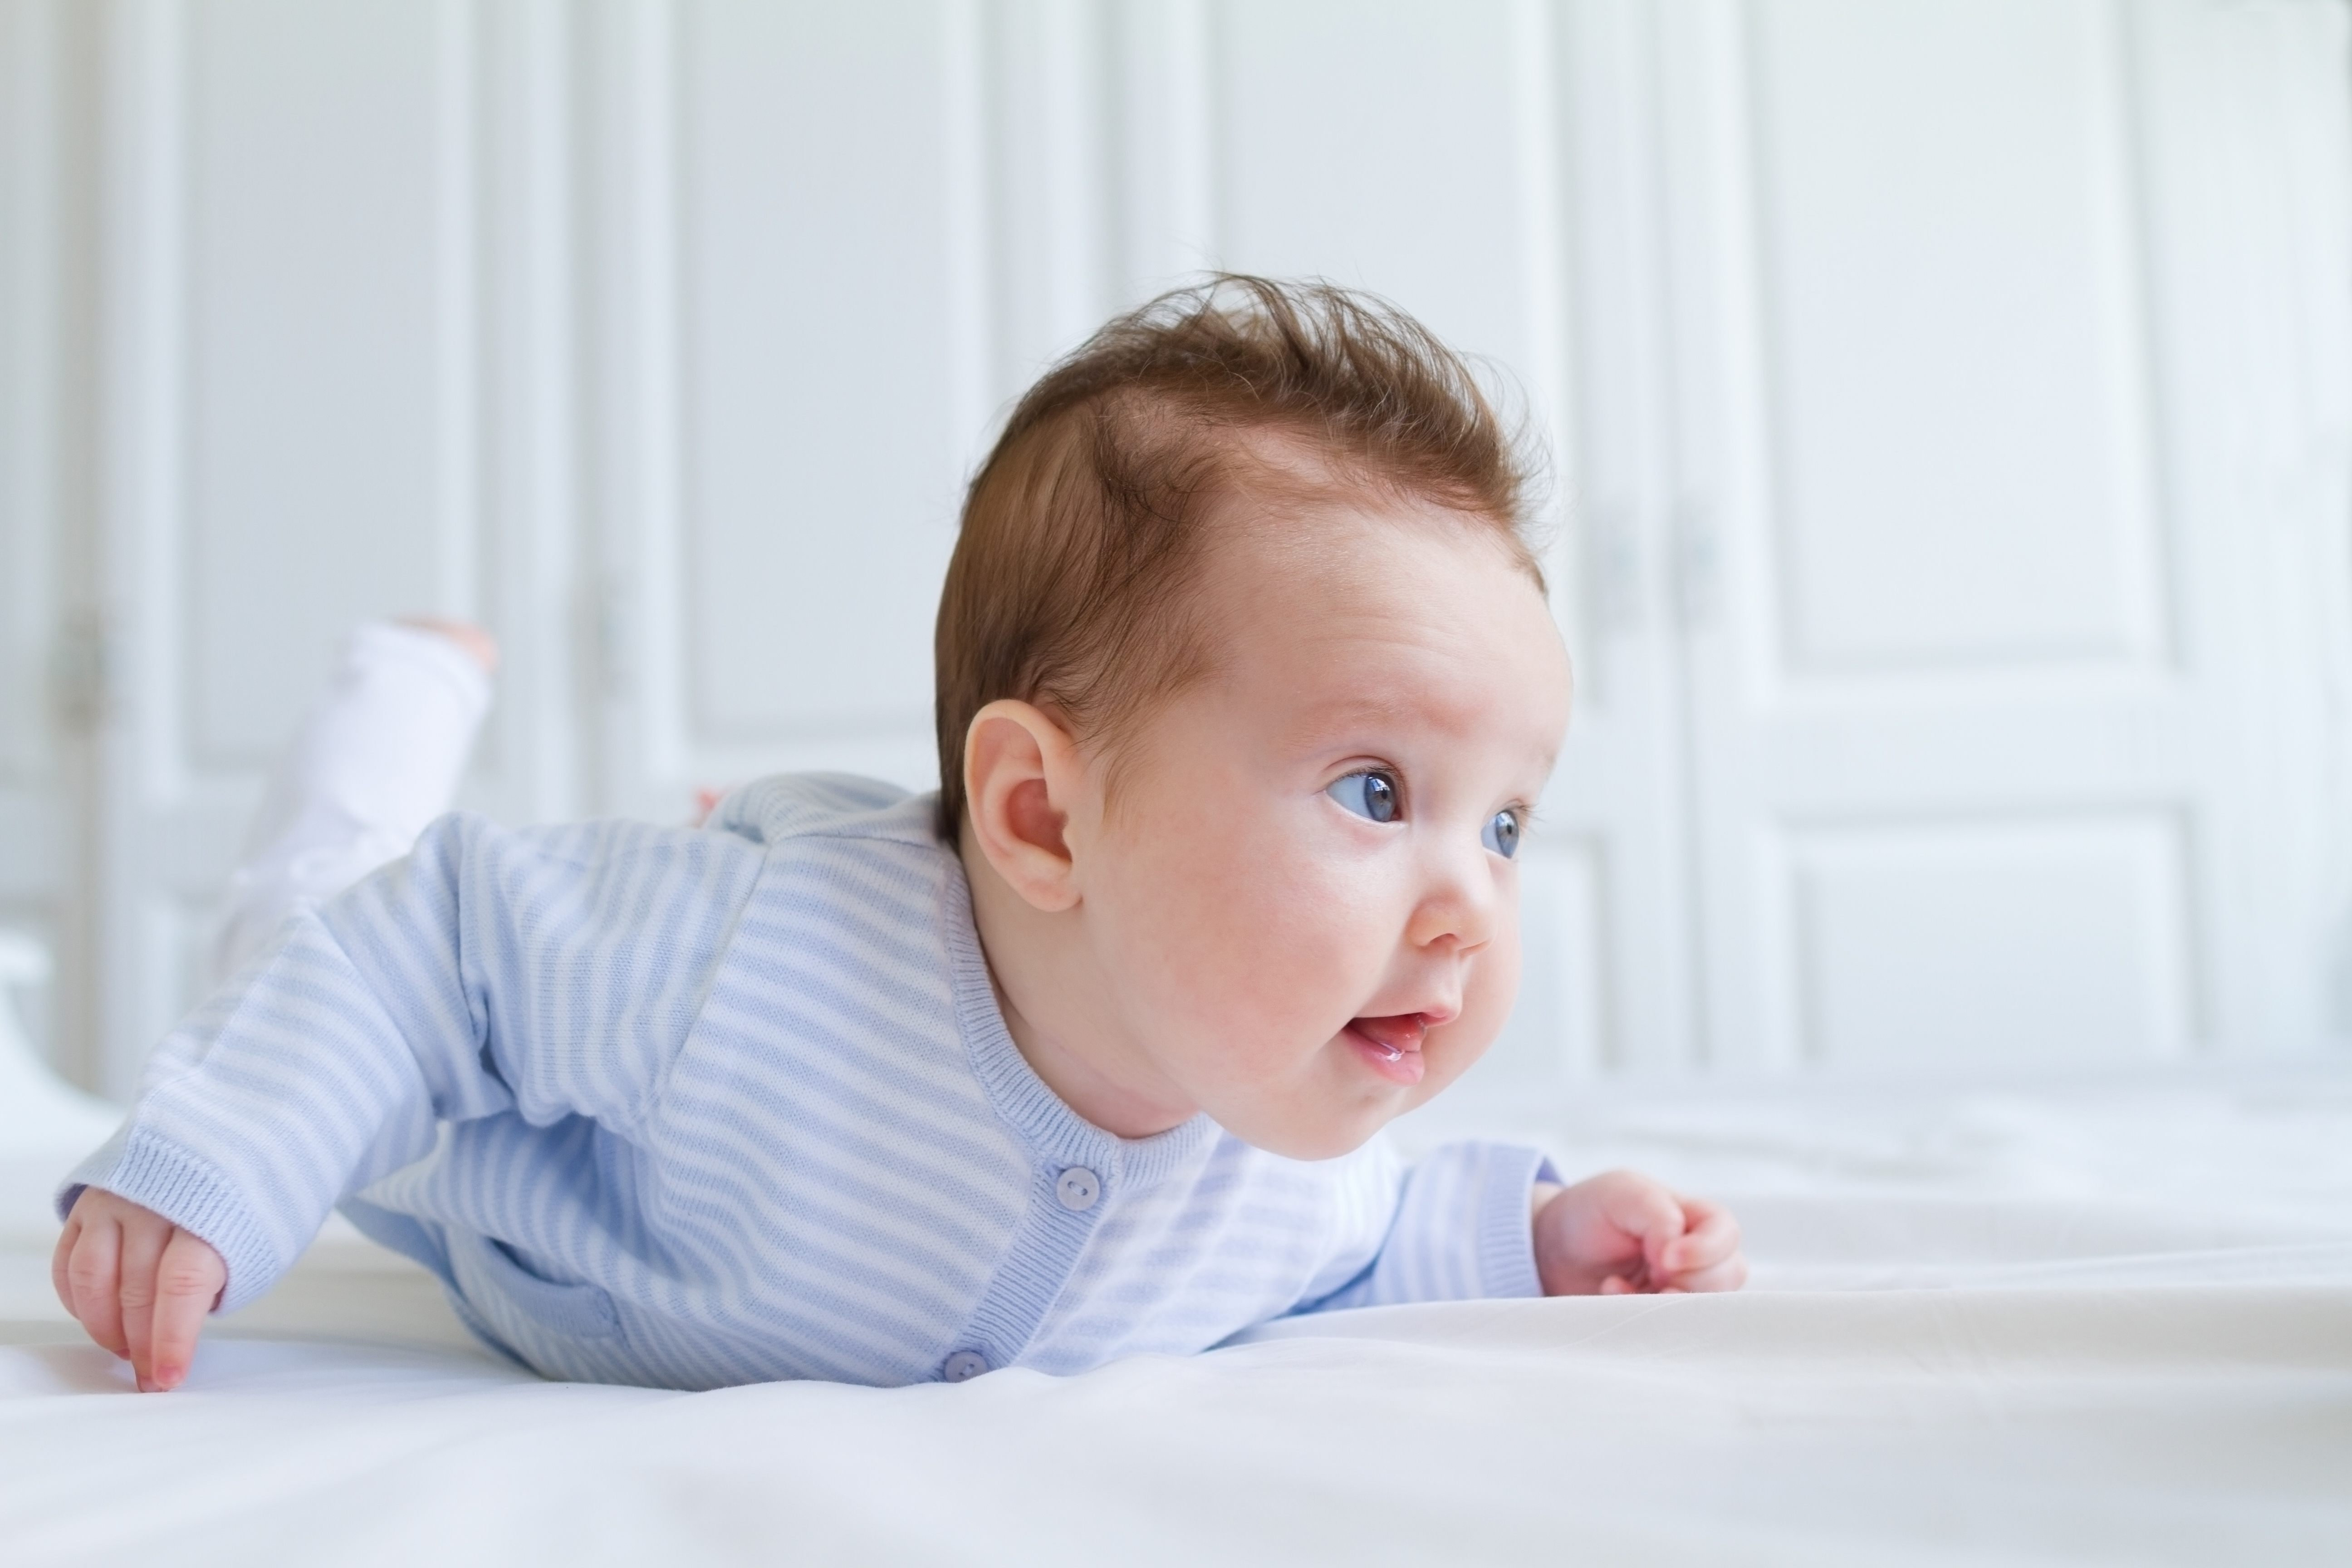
1062,1012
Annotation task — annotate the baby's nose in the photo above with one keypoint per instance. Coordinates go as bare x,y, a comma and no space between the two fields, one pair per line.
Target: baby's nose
1459,910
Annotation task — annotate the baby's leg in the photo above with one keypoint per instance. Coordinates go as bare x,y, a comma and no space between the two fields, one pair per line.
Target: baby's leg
377,759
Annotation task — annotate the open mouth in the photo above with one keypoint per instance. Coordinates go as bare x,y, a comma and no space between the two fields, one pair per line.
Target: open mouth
1392,1046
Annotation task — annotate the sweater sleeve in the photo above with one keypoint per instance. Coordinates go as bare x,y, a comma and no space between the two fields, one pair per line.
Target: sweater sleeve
1462,1230
546,974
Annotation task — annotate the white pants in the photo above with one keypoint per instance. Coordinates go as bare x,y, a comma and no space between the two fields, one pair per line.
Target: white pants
378,759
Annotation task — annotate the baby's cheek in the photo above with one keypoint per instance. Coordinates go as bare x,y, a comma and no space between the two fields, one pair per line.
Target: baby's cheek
1231,943
1296,972
1275,910
1254,945
1327,940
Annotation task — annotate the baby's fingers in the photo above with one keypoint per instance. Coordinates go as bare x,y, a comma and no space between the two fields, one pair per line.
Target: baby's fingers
1728,1274
94,1282
142,1253
1710,1236
60,1275
188,1280
1706,1256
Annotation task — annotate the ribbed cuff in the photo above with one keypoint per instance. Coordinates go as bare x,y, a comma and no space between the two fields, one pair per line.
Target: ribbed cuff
1507,1242
189,1192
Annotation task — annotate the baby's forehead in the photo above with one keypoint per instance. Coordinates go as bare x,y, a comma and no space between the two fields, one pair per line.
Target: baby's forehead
1355,578
1328,539
1355,625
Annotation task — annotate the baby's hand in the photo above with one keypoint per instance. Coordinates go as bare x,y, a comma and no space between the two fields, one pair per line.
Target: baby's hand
140,1284
1620,1233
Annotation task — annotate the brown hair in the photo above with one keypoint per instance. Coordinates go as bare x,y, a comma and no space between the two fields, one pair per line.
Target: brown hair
1081,538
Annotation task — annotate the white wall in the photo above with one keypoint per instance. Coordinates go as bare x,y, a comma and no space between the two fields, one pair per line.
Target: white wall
1953,401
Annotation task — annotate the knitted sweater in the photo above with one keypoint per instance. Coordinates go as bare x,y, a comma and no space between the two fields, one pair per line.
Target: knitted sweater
694,1108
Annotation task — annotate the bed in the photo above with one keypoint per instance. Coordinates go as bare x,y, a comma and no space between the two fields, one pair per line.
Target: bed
2097,1321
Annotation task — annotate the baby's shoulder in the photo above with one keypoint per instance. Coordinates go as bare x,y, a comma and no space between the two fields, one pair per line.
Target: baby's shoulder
783,806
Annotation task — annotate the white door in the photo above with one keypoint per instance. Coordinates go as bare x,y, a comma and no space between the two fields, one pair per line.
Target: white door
302,422
2010,440
40,830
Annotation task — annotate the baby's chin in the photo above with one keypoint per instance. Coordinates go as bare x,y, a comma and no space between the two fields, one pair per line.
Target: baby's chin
1312,1143
1324,1119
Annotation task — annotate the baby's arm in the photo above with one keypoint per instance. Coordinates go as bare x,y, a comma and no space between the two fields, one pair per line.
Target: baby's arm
273,1102
547,974
1619,1233
140,1284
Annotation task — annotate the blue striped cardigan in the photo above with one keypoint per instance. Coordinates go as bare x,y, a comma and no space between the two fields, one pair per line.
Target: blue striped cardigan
692,1107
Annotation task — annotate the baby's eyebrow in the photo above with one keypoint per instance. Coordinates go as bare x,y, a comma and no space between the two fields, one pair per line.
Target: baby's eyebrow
1335,717
1329,722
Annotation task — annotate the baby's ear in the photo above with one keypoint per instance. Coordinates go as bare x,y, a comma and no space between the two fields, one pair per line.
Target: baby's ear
1019,767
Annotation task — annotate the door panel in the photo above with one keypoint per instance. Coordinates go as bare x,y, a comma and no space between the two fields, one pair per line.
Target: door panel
310,203
790,317
1996,942
1965,744
40,830
1378,146
822,457
286,426
1951,323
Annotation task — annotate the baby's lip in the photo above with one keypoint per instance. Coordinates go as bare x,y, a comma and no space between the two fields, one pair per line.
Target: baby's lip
1391,1045
1398,1031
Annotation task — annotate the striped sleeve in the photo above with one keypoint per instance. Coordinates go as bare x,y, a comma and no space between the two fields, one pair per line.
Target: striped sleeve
549,973
1463,1231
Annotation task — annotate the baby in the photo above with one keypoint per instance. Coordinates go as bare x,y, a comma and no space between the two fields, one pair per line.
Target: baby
1246,686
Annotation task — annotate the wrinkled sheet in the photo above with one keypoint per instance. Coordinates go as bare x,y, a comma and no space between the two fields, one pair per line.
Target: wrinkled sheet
2099,1322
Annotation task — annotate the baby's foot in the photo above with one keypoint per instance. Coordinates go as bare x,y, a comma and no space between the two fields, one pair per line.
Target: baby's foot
465,633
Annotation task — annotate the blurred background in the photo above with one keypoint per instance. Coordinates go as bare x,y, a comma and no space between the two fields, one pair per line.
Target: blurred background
1950,405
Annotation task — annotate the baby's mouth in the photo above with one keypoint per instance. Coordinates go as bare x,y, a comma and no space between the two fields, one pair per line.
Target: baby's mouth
1391,1045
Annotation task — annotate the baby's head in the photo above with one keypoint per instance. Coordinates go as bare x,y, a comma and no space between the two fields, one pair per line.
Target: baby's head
1246,687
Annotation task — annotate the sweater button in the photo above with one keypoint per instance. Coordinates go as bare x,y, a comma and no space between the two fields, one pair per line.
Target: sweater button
1078,1189
963,1366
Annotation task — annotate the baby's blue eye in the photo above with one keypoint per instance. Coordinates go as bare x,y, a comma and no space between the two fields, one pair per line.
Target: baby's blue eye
1502,835
1370,795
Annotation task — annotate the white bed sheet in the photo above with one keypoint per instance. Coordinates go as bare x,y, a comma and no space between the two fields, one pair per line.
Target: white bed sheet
2104,1322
